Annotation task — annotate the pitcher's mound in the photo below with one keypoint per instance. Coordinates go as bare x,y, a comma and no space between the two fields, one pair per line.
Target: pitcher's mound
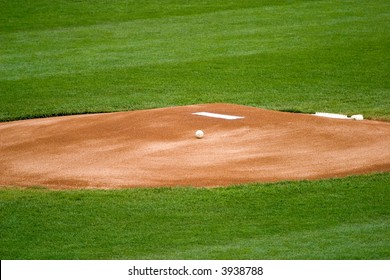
159,148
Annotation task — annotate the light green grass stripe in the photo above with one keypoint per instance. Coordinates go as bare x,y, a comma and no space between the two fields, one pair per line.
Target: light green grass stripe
348,241
300,56
327,219
176,39
46,14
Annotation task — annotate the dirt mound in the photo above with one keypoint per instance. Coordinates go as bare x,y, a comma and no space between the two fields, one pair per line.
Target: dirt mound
158,148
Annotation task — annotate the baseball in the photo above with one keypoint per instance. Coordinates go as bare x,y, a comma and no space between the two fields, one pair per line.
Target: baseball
199,134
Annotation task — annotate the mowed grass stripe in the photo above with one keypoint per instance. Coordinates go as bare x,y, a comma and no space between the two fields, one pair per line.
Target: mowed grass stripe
331,244
184,38
301,57
44,14
327,219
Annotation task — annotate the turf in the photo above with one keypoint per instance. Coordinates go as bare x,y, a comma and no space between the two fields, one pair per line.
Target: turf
328,219
70,57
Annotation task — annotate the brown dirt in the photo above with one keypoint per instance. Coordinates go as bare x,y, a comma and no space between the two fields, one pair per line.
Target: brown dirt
158,148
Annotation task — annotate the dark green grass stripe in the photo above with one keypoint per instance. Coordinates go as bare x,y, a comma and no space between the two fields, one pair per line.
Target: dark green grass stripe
327,219
305,56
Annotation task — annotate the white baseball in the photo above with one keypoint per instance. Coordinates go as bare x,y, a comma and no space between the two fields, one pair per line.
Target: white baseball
199,134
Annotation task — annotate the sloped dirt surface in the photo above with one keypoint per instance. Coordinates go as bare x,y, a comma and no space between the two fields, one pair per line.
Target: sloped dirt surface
158,147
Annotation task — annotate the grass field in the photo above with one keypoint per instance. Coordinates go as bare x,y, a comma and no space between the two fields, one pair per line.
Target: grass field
69,57
331,219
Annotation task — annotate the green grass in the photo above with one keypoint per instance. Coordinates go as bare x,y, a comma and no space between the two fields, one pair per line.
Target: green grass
93,56
328,219
69,57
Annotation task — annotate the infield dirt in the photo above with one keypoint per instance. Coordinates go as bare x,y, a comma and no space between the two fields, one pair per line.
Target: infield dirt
158,147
